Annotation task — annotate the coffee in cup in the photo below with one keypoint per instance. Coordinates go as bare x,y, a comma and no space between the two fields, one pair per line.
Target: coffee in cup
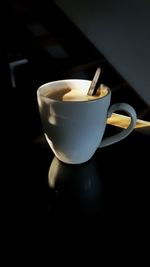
68,94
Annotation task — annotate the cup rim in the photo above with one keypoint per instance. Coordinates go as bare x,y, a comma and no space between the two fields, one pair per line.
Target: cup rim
66,102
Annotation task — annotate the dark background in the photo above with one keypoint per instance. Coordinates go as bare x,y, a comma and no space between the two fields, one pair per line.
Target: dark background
61,221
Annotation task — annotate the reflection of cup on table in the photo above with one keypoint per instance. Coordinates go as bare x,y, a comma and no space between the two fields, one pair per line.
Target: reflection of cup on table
78,186
74,126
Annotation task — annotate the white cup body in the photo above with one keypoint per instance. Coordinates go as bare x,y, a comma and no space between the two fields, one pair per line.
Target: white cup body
73,130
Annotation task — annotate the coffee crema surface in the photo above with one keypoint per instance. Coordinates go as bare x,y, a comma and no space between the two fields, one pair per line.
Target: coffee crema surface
67,94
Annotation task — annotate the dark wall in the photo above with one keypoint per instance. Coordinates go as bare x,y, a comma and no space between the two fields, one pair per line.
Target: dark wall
121,31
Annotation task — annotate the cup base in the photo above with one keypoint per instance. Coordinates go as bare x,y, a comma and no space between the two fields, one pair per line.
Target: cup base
71,162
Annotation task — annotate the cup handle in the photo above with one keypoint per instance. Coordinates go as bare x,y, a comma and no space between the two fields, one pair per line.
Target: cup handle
119,136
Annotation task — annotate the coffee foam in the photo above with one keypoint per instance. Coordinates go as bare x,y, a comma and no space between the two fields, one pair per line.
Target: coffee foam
79,95
68,94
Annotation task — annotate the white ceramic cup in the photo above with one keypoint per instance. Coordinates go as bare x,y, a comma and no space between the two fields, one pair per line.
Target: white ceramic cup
74,130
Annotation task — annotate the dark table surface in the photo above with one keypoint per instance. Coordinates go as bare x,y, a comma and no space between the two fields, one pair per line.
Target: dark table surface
103,200
101,205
